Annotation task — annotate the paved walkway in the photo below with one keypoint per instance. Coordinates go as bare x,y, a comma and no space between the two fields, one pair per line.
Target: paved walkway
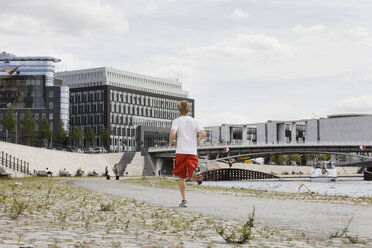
319,218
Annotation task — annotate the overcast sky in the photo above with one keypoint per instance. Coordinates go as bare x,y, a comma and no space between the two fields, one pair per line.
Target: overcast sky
243,61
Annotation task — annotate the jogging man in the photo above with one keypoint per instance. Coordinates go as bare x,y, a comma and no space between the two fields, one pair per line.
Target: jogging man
189,132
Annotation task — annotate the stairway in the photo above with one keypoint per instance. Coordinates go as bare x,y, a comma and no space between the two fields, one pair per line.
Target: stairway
148,170
124,161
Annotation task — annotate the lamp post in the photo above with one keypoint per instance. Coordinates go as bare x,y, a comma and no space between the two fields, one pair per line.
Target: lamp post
51,135
16,127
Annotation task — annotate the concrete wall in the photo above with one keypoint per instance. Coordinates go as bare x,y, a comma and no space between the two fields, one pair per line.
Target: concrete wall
343,129
311,130
271,133
261,136
41,158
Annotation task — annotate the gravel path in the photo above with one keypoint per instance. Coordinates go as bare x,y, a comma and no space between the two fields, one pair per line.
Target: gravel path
309,217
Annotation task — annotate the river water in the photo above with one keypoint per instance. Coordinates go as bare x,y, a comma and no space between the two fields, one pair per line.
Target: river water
353,187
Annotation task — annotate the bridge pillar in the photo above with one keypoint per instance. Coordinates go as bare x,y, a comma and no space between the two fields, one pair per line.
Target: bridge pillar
158,164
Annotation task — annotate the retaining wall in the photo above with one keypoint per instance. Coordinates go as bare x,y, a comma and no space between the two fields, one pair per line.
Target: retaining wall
54,160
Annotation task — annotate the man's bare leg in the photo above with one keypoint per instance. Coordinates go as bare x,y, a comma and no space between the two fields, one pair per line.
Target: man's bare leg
182,184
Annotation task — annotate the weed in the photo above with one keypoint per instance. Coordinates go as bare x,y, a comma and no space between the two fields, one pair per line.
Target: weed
352,239
107,206
246,232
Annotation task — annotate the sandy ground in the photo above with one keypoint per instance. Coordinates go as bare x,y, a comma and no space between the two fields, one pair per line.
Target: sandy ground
116,214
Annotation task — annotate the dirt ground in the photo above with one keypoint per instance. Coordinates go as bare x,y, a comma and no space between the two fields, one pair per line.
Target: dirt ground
56,213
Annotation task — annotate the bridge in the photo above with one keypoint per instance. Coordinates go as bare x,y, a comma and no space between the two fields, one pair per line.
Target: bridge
162,157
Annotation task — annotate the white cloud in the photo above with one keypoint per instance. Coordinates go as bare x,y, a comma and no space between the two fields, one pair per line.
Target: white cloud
70,62
73,17
367,78
239,14
174,72
358,32
246,45
150,9
354,104
21,24
310,29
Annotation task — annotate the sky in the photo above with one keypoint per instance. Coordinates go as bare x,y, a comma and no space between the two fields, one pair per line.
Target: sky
243,61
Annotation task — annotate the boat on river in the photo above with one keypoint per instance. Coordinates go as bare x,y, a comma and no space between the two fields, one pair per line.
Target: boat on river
324,171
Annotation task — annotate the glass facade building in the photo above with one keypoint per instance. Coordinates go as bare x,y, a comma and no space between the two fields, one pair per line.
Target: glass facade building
28,83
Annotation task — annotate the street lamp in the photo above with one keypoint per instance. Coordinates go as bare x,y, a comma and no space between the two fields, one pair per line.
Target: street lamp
51,135
16,126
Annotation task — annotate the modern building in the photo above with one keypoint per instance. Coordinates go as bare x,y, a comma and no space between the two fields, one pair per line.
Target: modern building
28,83
334,128
122,101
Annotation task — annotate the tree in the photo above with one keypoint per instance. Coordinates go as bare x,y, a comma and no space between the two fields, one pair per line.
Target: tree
44,130
28,126
60,134
105,136
76,135
90,136
8,122
325,157
278,159
295,158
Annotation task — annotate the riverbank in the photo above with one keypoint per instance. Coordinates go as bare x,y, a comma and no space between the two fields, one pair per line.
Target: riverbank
56,213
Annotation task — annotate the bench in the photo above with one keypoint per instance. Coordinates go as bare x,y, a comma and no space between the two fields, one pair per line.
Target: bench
64,173
4,174
43,173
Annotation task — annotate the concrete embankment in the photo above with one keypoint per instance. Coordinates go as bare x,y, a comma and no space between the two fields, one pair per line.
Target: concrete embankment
41,158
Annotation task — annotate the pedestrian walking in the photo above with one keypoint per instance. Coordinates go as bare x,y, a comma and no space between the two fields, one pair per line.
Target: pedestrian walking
188,132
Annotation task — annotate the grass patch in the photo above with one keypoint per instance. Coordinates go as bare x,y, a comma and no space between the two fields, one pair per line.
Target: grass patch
162,182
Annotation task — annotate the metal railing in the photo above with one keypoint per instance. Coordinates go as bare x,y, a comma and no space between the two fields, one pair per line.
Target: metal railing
14,163
266,144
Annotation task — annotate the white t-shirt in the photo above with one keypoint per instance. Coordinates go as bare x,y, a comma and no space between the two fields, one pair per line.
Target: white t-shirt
187,132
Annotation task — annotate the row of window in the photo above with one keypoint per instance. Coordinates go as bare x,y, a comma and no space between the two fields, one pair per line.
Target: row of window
143,80
87,108
160,92
87,119
82,76
122,131
36,116
87,96
143,100
146,112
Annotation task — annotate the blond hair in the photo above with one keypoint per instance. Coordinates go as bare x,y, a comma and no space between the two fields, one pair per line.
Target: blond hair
184,107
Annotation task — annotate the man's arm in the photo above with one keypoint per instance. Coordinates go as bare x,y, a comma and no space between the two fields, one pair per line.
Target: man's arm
202,134
172,137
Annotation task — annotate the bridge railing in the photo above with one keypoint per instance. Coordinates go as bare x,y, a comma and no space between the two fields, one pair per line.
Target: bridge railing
266,144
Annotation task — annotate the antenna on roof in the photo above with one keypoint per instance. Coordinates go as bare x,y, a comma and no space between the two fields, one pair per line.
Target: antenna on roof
315,115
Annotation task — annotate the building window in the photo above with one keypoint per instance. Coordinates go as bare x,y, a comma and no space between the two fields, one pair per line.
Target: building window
51,116
36,117
50,94
50,105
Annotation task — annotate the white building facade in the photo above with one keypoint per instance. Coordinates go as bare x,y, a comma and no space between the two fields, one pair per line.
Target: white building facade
121,101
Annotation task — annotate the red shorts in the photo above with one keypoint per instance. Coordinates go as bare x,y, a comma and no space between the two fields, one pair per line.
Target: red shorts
185,163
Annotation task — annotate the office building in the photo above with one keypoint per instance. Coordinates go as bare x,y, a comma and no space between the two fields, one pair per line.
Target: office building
122,101
339,128
28,83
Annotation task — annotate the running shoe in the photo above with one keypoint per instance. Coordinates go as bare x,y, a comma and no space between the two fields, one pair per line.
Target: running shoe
183,204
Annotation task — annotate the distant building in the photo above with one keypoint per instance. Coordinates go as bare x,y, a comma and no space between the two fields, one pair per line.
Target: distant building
123,101
334,128
27,83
